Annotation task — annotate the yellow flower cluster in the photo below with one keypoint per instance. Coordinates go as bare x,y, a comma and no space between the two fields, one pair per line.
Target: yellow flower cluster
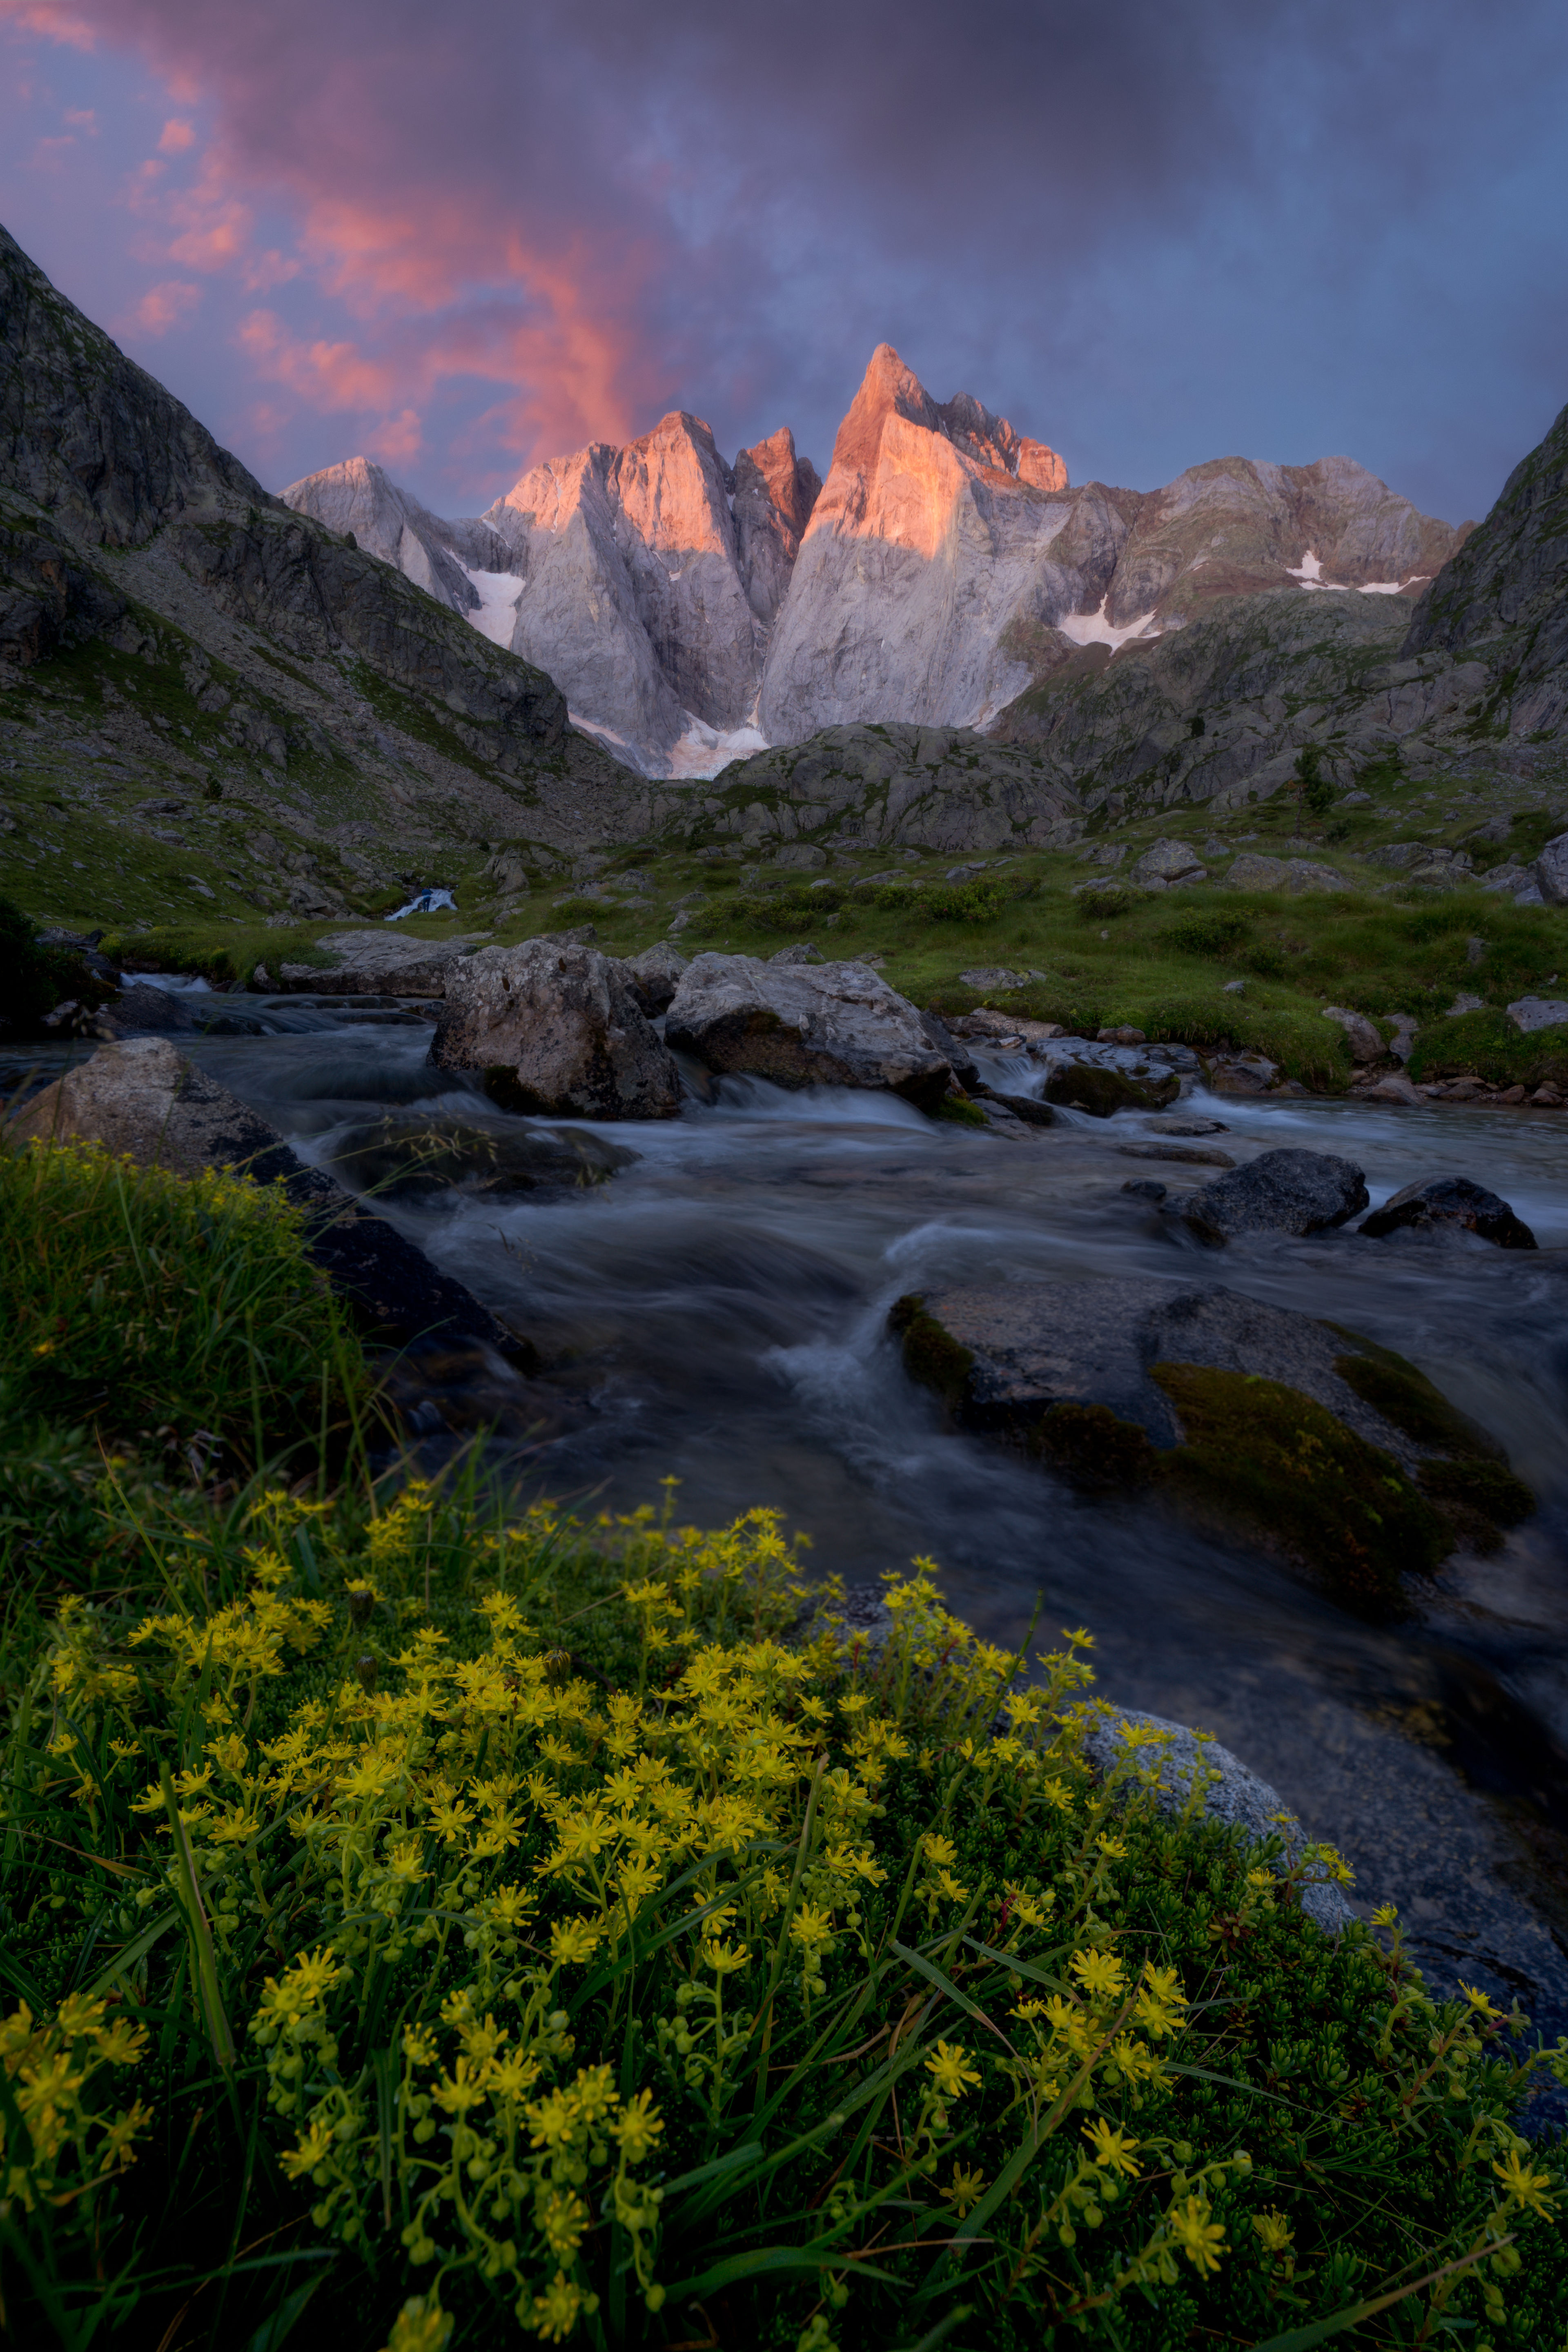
52,2065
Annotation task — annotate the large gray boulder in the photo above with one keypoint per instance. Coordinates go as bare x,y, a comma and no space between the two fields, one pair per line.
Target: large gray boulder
830,1024
556,1030
1531,1013
1287,1191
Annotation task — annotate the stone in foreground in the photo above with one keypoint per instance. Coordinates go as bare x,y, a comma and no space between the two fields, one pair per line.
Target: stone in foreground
1451,1203
831,1024
556,1031
655,975
405,1153
1286,1192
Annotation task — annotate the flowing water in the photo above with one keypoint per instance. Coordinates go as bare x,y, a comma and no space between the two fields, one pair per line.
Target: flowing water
722,1304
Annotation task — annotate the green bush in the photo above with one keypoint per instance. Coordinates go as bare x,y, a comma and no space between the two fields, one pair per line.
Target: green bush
1211,931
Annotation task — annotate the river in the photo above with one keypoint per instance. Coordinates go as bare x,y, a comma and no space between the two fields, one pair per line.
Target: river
723,1303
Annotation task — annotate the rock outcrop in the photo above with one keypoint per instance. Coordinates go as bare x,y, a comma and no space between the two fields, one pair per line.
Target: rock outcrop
831,1024
1331,1447
1501,600
269,650
892,787
556,1031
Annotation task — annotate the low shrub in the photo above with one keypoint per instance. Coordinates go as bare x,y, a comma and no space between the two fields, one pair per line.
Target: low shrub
1210,932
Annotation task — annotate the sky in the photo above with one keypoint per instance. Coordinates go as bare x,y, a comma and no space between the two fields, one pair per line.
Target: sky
461,239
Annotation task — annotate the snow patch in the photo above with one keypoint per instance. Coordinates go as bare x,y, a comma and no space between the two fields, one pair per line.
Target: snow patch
1310,573
1094,629
703,750
498,594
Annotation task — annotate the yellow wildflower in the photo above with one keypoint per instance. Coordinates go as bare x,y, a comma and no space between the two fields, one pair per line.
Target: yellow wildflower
1201,2240
1110,2148
949,2067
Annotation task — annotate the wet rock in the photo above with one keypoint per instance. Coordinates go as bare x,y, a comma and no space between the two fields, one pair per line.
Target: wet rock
1126,1035
1144,1188
1364,1040
146,1012
1189,1155
1027,1108
1393,1089
1243,1074
1335,1450
1103,1090
1454,1202
557,1031
144,1098
655,975
834,1024
1288,1191
1550,872
396,1156
1531,1013
1229,1792
953,1051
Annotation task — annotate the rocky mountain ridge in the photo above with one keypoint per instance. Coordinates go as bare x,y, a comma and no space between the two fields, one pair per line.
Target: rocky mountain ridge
689,608
217,644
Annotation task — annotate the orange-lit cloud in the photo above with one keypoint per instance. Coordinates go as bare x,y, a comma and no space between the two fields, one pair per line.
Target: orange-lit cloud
162,307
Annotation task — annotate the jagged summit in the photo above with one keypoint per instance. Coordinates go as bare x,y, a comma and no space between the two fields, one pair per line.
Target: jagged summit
690,609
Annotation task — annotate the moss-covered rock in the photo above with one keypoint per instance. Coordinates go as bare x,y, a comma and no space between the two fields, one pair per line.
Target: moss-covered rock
1085,1085
1265,1456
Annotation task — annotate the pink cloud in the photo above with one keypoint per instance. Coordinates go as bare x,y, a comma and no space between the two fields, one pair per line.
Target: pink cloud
162,307
55,24
327,375
175,137
82,118
398,440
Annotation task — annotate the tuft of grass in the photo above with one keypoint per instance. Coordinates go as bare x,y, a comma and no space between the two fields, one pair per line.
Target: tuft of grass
159,1311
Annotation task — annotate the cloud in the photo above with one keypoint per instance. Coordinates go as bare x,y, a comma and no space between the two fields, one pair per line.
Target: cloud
555,218
161,308
175,137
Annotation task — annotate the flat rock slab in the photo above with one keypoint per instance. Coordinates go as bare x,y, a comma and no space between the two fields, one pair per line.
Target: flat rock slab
1032,1345
1286,1192
144,1100
1454,1204
1533,1013
831,1024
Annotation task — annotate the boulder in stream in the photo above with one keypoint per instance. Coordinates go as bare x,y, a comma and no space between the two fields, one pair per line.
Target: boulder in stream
1262,1420
830,1024
1452,1204
1286,1192
557,1031
404,1153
